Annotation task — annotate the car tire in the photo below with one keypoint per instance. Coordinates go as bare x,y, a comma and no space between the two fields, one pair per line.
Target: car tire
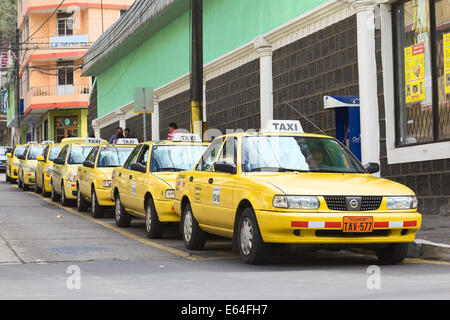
44,193
19,183
123,219
25,187
37,189
193,236
64,201
393,253
252,248
54,196
153,226
96,210
7,178
82,205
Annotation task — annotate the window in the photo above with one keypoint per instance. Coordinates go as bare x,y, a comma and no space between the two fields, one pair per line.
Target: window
206,162
229,151
63,153
421,49
54,151
65,73
175,157
65,24
132,157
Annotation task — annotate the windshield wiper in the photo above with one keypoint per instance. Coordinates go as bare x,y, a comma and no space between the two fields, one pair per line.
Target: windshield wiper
277,169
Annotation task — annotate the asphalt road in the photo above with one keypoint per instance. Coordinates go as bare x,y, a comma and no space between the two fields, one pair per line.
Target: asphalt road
51,252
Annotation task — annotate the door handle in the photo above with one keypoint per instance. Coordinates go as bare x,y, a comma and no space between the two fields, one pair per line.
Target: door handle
130,176
191,179
210,180
120,173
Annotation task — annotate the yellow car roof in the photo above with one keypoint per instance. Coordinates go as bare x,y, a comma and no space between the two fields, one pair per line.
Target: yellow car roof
82,141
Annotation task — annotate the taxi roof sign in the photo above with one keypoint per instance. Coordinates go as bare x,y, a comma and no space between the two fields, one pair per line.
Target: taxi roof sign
31,142
186,137
127,141
285,126
93,141
47,142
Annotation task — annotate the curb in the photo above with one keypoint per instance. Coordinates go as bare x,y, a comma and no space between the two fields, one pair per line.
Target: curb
429,250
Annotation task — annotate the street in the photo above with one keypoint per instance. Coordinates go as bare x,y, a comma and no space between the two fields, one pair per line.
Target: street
51,252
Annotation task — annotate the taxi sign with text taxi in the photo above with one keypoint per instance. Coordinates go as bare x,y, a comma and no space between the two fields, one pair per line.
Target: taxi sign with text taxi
186,137
127,141
283,126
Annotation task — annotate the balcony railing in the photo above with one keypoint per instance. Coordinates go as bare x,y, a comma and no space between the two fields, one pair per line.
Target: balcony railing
77,89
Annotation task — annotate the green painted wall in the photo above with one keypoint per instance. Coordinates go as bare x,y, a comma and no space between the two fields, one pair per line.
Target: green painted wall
165,56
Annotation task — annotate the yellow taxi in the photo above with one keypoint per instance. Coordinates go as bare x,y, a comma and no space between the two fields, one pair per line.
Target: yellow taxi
94,176
144,186
287,187
64,174
27,165
12,163
45,166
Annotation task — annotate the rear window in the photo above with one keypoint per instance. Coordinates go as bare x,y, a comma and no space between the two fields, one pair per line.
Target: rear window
35,152
78,154
54,151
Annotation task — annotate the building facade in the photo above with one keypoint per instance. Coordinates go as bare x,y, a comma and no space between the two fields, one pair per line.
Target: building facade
55,36
276,59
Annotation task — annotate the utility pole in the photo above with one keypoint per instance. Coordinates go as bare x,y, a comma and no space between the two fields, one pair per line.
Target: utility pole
196,89
16,51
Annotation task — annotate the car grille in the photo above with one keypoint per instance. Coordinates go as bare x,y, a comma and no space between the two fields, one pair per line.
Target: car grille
368,203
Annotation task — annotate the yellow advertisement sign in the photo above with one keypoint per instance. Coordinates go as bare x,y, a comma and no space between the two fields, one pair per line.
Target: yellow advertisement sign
447,62
415,73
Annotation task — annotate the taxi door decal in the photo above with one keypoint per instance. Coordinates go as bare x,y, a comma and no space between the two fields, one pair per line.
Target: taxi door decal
216,195
133,187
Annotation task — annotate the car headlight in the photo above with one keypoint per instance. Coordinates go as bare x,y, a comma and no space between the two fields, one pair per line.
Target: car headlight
170,194
395,203
72,176
106,184
296,202
49,170
30,168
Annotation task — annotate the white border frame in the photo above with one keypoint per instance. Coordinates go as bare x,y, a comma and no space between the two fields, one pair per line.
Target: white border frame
425,152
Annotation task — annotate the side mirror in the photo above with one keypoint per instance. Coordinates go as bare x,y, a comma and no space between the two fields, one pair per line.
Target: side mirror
138,167
9,155
58,161
223,166
88,164
372,167
21,157
40,158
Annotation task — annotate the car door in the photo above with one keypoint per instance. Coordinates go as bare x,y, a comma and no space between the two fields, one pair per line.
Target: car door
40,167
87,173
124,176
218,203
58,168
198,187
137,182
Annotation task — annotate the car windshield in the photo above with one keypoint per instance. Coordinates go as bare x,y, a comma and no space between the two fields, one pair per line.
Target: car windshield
296,153
2,151
113,157
78,154
175,158
19,151
34,152
54,151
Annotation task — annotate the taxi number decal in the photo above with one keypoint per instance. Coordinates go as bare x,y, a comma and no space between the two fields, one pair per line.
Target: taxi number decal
133,187
216,195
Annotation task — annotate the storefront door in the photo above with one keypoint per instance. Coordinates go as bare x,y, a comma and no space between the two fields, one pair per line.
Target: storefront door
66,127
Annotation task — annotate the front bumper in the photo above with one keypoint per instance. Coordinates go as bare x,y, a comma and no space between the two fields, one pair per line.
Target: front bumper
324,228
104,197
166,211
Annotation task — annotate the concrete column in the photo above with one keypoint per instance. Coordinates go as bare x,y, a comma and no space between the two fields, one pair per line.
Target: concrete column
122,120
264,50
155,119
96,128
367,70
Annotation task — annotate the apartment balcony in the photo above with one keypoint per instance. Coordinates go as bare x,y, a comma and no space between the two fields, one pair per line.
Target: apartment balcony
45,98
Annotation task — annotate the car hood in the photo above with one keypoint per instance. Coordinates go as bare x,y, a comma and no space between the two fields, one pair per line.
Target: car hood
167,177
332,184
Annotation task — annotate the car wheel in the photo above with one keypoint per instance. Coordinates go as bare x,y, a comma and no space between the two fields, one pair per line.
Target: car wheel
19,183
7,178
153,226
194,238
252,248
54,196
82,205
37,189
123,219
393,253
25,187
64,201
44,193
96,209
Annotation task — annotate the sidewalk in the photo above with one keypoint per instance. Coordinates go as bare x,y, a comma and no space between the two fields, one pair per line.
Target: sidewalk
432,239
